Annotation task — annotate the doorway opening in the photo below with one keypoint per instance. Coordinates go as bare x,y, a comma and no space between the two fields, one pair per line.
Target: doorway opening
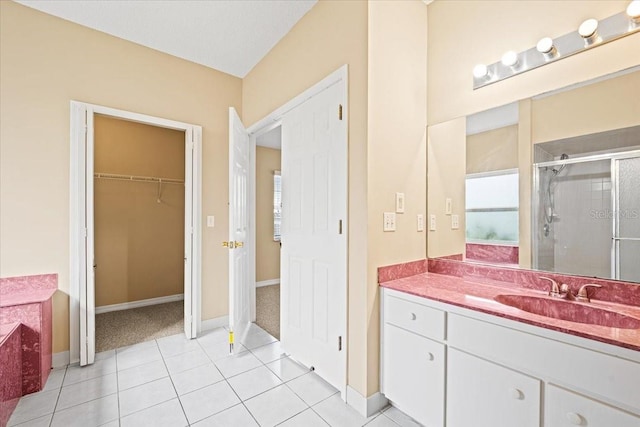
268,221
139,210
104,245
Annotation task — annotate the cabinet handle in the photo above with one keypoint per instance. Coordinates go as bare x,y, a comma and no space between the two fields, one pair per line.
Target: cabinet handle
412,316
574,418
516,394
430,356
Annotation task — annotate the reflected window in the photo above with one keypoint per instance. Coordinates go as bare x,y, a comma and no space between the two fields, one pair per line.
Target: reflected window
492,207
277,205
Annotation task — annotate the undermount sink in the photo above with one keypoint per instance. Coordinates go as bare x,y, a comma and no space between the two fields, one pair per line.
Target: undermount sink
571,311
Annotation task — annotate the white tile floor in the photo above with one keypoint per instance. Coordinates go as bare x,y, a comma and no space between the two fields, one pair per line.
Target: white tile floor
177,382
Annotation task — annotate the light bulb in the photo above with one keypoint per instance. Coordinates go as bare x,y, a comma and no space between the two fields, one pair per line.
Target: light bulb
633,10
480,71
509,59
545,45
588,28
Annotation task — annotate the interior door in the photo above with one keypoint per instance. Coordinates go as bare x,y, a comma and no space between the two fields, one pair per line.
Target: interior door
239,292
314,235
189,321
87,293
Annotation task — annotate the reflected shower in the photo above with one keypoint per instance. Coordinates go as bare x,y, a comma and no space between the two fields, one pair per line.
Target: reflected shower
549,203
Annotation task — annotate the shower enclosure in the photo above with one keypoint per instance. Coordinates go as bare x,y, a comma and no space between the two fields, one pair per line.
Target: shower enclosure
587,215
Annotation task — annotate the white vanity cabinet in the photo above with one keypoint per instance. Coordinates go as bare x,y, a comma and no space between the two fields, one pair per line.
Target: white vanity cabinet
481,393
446,365
413,364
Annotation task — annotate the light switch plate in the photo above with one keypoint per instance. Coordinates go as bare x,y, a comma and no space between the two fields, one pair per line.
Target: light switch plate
420,222
455,222
211,221
432,222
399,202
389,221
447,206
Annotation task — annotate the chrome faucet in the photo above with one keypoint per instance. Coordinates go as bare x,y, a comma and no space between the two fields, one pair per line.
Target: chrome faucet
555,289
583,292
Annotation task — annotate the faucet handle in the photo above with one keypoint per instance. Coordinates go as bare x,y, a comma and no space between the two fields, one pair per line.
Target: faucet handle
555,289
583,292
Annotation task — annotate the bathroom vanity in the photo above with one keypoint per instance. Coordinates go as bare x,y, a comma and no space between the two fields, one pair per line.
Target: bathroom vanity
452,355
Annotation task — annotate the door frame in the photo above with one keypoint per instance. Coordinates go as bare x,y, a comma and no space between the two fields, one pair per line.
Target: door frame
82,114
268,123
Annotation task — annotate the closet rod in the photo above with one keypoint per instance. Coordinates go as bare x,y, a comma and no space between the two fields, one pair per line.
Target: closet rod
137,178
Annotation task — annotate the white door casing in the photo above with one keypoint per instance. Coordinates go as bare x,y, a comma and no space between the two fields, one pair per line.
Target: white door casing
314,234
82,262
239,225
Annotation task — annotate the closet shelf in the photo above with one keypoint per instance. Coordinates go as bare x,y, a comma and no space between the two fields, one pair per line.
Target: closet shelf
137,178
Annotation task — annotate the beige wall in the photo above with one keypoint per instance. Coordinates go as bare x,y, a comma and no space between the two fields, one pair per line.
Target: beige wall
465,33
267,250
598,107
493,150
331,34
525,184
44,63
387,141
139,242
446,179
397,147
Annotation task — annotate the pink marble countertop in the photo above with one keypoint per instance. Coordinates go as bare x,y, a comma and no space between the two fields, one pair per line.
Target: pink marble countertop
476,294
6,330
31,297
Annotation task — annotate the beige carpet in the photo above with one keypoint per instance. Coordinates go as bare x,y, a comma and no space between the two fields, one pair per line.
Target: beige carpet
120,328
268,309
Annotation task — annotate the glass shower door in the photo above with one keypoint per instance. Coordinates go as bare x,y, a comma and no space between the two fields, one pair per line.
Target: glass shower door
626,239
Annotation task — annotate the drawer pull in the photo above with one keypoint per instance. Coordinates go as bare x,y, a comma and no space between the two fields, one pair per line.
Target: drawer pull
574,418
430,356
413,316
516,394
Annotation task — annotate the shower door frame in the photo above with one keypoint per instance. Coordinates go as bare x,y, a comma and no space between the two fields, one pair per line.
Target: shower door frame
535,205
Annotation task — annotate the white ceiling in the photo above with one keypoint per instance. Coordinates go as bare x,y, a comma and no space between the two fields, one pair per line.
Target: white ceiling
229,35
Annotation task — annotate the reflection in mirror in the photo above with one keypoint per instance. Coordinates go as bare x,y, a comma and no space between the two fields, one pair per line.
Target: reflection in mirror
577,151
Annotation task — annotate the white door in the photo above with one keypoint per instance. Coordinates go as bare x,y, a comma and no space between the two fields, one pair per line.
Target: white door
239,292
190,301
314,236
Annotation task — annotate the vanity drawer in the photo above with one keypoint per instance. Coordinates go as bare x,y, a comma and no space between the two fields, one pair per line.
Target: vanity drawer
426,321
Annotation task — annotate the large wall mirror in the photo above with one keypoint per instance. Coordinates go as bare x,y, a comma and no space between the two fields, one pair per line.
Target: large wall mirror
549,183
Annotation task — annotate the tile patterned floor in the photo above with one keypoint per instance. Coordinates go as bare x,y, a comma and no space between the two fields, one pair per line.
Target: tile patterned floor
177,382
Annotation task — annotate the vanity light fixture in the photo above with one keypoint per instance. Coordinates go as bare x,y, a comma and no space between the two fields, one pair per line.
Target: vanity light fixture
509,59
588,30
480,71
545,47
633,11
591,33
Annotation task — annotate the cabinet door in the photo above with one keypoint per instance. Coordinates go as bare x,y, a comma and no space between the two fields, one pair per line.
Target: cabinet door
481,393
414,375
564,408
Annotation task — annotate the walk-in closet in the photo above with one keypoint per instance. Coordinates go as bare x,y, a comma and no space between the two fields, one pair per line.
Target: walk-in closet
139,210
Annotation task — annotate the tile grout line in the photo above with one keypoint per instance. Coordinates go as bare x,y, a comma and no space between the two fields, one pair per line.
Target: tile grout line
59,393
172,384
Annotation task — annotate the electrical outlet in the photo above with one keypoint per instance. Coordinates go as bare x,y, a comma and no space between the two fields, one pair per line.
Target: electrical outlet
455,222
389,221
399,202
432,222
211,221
447,206
420,222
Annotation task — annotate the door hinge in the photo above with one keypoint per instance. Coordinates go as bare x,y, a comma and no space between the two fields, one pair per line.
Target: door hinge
340,343
340,112
340,227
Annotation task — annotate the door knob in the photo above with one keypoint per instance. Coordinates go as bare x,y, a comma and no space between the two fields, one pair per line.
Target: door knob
229,245
239,244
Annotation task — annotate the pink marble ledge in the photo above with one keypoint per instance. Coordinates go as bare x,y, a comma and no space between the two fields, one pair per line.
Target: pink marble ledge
505,254
27,289
479,295
10,370
398,271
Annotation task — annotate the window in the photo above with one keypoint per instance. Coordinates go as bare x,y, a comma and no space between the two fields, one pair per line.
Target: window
492,207
277,205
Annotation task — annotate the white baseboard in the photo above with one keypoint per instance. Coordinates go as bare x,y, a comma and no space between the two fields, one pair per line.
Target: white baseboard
139,303
60,360
217,322
268,282
366,406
